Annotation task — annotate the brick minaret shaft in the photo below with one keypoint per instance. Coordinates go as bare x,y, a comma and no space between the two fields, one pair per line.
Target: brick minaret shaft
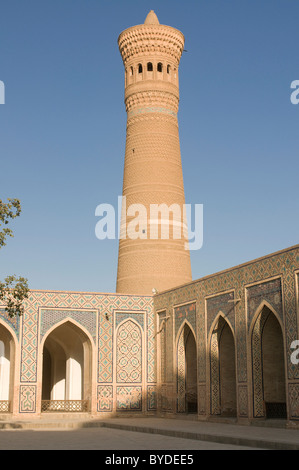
151,54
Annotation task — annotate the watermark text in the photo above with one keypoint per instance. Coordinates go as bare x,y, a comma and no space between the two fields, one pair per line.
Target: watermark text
2,92
295,94
158,221
295,353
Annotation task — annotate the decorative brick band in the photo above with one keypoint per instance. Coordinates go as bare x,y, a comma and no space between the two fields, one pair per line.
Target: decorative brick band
153,109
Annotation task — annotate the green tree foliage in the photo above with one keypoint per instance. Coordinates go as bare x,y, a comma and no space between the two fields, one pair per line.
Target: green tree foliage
13,291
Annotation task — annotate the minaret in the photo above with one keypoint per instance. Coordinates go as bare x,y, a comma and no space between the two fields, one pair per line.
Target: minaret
149,258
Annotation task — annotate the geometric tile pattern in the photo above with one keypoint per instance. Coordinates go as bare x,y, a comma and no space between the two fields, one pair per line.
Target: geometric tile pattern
270,291
13,322
185,312
294,400
129,398
129,353
85,318
27,398
272,279
70,301
202,399
29,345
161,340
121,316
215,365
162,352
151,347
243,400
257,362
291,316
257,368
106,329
97,314
181,373
151,398
105,398
220,303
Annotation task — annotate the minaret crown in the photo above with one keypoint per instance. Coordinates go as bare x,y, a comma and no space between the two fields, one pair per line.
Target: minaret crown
151,38
151,18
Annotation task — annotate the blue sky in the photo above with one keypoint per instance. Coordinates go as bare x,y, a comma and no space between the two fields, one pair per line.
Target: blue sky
62,130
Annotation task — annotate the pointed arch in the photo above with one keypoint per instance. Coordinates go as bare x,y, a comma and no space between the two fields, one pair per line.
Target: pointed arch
10,330
221,340
267,363
129,319
219,317
185,322
186,369
264,303
67,363
70,320
8,341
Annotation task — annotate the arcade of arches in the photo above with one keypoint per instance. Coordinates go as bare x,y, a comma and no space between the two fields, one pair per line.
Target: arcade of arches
218,347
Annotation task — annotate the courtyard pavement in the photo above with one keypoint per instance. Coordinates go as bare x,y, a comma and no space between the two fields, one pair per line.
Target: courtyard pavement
99,438
148,433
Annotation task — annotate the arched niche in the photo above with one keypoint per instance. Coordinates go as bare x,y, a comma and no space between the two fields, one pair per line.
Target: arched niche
7,368
67,365
186,370
268,364
223,399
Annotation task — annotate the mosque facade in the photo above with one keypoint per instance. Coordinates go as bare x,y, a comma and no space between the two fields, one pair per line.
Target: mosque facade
220,347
